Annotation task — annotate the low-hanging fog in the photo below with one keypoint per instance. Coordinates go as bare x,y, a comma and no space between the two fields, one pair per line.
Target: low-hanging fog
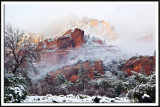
91,51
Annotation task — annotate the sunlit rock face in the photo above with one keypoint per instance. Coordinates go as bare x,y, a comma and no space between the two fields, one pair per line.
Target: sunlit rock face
94,27
144,65
71,72
99,28
78,37
35,38
69,40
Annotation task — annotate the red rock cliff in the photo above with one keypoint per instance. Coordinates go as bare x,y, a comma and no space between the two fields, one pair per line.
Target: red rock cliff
55,50
69,40
139,64
71,72
74,40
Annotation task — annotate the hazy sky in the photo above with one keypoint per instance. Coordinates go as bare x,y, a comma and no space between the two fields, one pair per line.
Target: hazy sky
129,20
132,18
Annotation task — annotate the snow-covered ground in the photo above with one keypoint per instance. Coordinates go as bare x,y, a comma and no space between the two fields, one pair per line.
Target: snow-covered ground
75,99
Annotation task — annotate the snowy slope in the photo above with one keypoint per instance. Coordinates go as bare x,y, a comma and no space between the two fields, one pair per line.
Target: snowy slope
93,51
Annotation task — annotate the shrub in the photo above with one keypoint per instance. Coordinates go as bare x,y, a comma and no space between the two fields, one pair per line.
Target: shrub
147,88
14,88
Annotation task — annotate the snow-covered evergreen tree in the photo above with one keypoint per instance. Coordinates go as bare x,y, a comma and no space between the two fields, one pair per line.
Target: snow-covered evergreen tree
83,76
144,92
14,88
60,79
119,87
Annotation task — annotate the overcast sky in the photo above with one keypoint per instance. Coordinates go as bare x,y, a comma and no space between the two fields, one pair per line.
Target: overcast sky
129,20
137,19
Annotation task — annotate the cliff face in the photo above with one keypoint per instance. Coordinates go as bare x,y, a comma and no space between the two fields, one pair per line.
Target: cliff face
71,72
78,37
139,64
55,50
69,40
65,43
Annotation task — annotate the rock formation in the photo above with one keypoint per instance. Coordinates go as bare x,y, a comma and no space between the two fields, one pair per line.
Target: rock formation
142,64
71,72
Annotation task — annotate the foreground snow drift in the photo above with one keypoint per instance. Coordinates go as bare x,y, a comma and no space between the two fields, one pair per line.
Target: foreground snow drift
71,98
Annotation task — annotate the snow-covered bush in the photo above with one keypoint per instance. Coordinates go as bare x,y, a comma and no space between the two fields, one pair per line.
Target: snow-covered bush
119,87
122,75
48,85
97,75
14,88
60,79
144,92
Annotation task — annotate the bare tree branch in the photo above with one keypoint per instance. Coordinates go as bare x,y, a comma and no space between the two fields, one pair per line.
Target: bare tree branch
19,48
